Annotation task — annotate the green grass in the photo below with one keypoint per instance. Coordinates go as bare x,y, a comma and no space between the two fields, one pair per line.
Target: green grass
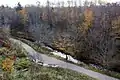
36,72
46,51
22,63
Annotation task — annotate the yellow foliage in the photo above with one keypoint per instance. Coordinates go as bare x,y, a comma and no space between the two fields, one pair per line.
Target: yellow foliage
23,13
7,64
88,19
88,16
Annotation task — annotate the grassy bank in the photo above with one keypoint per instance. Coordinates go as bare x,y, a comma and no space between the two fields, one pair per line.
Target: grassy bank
36,72
14,65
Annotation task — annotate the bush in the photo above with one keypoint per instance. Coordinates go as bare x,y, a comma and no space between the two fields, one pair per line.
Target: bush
22,63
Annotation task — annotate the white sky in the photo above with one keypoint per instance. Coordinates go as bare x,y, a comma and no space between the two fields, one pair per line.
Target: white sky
24,2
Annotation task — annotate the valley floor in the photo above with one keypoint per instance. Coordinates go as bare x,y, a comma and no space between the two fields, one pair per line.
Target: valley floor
50,60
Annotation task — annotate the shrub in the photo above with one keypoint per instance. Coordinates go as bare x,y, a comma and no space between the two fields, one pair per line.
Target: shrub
22,63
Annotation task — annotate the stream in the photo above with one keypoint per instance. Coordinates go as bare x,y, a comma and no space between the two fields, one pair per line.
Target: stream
62,55
68,57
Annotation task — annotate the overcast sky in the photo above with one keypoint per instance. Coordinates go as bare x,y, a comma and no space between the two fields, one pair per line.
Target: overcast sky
24,2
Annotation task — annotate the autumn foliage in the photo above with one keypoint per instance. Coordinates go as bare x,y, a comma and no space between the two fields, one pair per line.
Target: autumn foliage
88,20
7,64
23,15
